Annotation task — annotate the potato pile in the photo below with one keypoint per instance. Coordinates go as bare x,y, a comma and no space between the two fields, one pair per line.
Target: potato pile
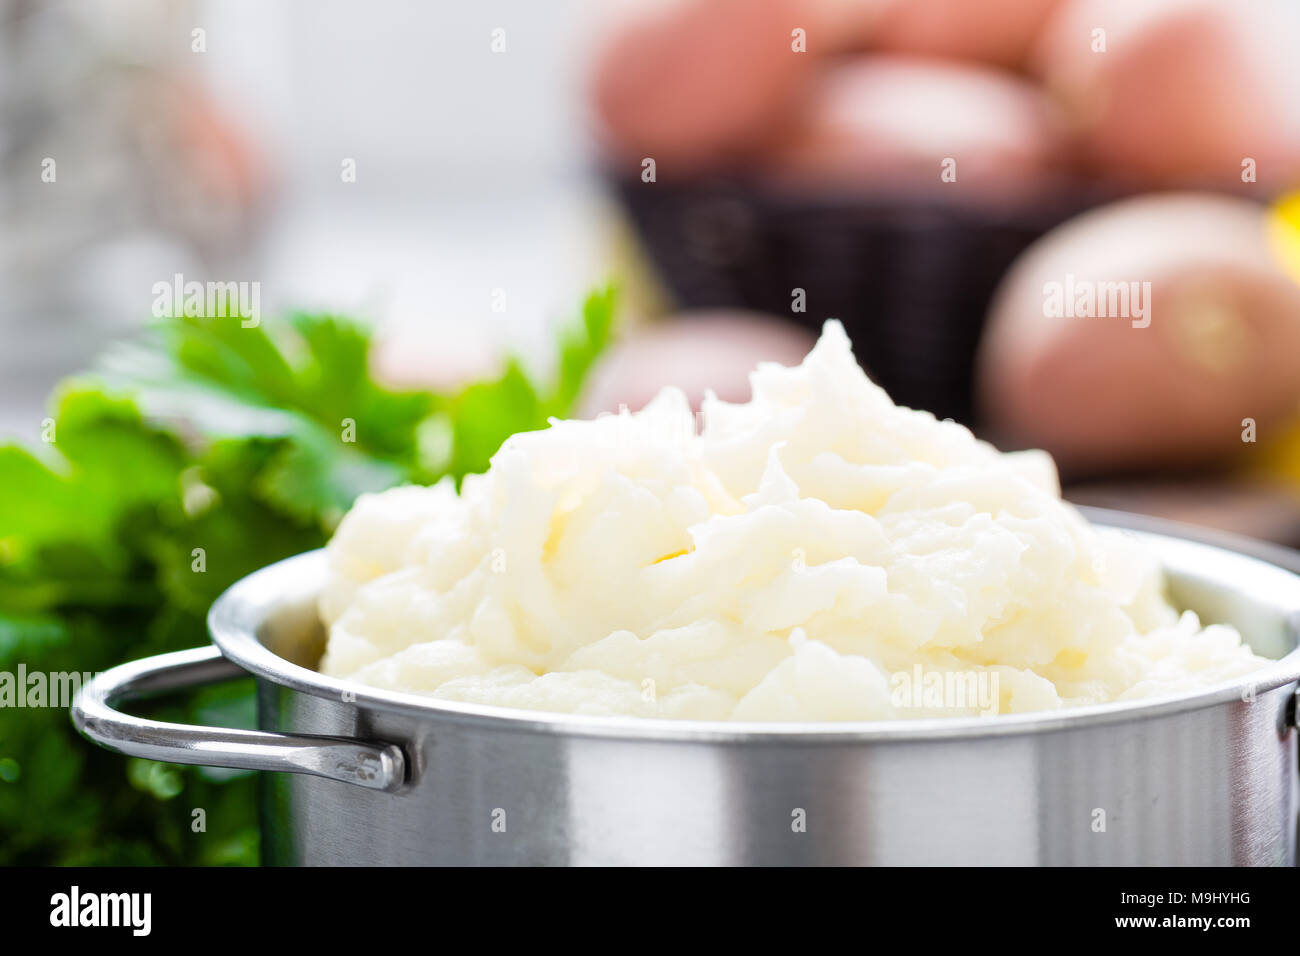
1187,105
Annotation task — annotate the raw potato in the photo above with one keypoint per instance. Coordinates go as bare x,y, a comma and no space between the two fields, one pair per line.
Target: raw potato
1223,343
999,32
888,123
701,84
817,554
1184,91
696,352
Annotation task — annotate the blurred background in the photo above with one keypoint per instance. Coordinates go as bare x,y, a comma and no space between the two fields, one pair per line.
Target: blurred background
903,165
220,155
1069,224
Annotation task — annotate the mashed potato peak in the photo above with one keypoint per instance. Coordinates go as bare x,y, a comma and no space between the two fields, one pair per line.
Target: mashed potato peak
815,554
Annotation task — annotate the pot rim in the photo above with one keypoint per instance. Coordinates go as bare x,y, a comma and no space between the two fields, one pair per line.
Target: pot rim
238,614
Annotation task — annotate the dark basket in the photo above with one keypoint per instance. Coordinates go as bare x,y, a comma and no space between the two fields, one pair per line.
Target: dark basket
911,279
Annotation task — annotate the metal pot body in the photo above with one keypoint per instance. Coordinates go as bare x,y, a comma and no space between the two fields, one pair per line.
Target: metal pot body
382,778
1209,786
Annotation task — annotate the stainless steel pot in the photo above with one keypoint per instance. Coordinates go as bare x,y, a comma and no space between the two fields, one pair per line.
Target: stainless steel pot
387,778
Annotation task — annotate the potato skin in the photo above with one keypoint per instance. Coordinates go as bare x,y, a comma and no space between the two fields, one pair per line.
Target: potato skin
695,351
1222,344
1184,91
699,85
888,124
998,32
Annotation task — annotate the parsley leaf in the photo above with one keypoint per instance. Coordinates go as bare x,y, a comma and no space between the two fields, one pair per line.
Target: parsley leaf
180,464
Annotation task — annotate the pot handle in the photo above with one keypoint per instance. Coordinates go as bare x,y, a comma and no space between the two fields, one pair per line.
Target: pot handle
376,766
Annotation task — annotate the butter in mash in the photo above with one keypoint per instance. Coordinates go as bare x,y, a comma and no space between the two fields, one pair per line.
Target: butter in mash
815,554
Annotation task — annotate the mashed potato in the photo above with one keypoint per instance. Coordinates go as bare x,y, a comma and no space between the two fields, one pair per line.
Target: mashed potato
815,554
